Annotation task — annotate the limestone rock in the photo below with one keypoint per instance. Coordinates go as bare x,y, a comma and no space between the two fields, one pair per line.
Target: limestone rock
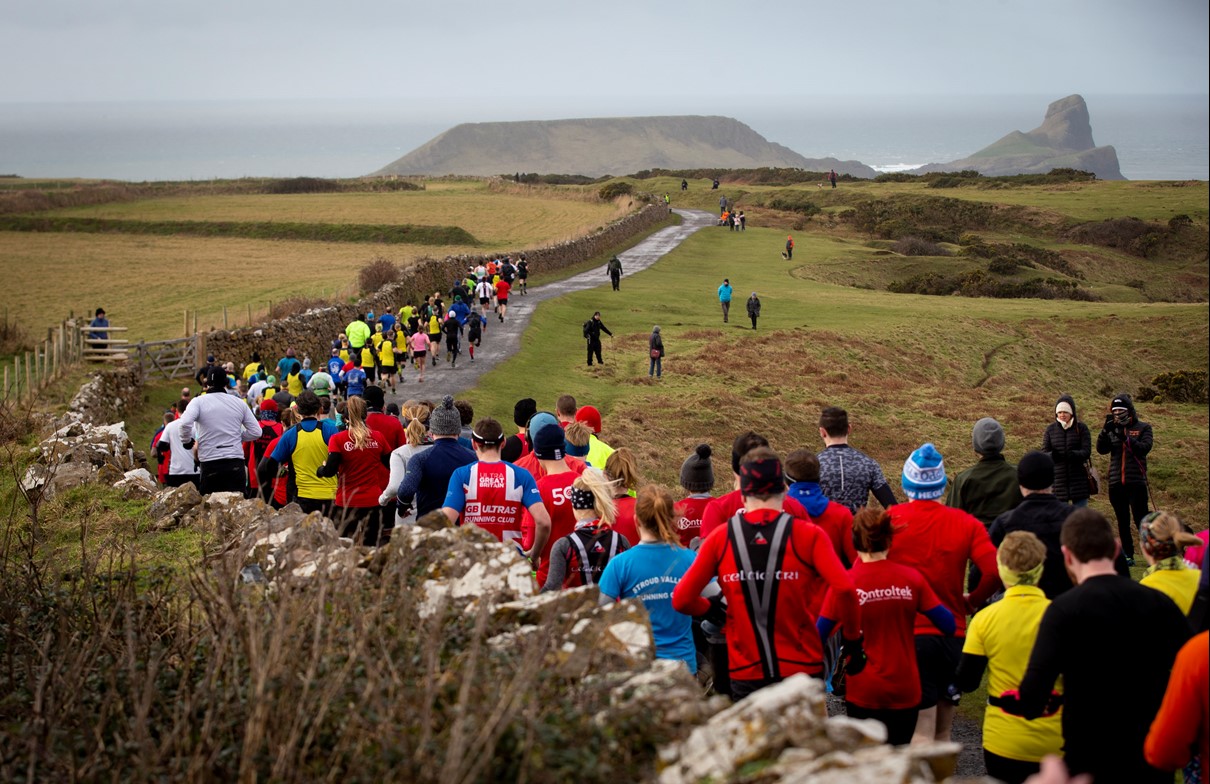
171,504
137,483
77,453
664,689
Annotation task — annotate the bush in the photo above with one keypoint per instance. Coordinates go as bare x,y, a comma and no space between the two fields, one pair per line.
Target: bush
979,284
918,246
1136,237
786,201
1183,386
1003,266
377,273
933,217
897,177
612,190
303,185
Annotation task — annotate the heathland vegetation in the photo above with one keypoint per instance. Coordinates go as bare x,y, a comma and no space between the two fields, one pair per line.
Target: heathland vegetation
131,656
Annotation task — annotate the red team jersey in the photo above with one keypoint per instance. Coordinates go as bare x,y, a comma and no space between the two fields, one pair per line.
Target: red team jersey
720,510
624,522
688,516
502,289
360,480
937,541
556,497
890,596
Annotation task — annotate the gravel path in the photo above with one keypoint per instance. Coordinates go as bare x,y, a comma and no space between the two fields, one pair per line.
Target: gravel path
501,341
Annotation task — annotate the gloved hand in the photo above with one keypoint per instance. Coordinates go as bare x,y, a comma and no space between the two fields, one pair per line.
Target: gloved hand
852,654
188,444
1053,704
1009,702
717,614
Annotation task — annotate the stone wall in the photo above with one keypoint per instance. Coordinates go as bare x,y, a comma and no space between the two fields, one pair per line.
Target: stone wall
106,397
311,333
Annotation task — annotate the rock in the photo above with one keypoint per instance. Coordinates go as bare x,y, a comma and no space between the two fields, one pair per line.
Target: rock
544,608
664,689
756,728
613,637
78,453
137,484
434,521
106,396
1063,140
171,504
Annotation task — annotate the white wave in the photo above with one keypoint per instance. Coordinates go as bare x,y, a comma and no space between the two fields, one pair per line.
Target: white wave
894,167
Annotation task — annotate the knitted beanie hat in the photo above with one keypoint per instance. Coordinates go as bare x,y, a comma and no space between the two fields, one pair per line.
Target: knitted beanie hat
539,421
590,416
548,443
924,474
1036,471
524,409
445,419
988,437
697,472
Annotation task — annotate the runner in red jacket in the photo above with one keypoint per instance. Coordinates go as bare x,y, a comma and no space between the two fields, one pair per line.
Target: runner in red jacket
770,565
937,541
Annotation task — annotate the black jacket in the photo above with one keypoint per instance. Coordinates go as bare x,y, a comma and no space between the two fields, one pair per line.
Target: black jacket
593,329
1042,515
1127,446
1070,450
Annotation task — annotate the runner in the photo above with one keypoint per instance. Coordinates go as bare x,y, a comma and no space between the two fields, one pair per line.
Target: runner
890,595
420,351
555,489
651,570
304,448
224,423
769,623
502,290
357,456
494,495
386,361
523,274
697,477
580,557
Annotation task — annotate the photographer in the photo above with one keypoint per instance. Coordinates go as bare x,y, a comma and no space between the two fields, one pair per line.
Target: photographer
1127,441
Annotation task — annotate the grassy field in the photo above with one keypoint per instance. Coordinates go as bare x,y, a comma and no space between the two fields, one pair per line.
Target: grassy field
908,368
147,282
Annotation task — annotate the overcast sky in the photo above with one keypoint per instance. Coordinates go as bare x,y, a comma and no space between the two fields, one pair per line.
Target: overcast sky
548,52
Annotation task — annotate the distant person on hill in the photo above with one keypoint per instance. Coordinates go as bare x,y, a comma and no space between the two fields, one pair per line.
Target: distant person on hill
98,327
684,185
832,177
754,308
714,187
789,252
743,221
614,268
655,347
592,334
667,202
724,298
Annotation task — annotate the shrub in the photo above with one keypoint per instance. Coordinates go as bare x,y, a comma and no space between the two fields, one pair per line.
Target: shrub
1183,386
1177,222
896,177
979,284
377,273
1001,265
303,185
918,246
1128,234
933,217
787,201
612,190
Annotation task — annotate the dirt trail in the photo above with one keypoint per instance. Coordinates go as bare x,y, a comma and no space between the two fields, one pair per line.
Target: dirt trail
501,341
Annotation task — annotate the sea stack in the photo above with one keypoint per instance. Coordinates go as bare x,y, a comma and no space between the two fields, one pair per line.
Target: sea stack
1063,140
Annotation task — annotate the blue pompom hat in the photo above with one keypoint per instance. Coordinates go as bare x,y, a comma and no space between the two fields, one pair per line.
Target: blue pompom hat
924,474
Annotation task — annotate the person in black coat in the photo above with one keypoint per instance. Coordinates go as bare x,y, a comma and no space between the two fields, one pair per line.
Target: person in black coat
1127,441
1069,443
592,333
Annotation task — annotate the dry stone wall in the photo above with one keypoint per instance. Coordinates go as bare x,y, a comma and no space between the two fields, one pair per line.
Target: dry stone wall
109,396
311,333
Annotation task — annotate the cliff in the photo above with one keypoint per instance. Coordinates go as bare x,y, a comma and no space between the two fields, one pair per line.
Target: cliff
1063,140
604,146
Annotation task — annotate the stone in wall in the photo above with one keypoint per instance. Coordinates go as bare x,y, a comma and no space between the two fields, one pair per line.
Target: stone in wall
107,397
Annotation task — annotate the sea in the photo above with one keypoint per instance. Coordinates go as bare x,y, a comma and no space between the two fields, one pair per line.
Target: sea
1157,137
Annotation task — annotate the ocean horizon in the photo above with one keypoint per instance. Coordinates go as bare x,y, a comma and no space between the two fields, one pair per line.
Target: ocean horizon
1157,137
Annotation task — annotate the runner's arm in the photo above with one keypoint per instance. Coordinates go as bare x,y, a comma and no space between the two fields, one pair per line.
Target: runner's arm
687,596
983,553
541,530
556,573
331,466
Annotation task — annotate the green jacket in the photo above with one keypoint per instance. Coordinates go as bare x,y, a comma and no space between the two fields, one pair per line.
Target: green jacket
986,489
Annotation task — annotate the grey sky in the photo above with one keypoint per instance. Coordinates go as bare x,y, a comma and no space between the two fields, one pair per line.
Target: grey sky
553,54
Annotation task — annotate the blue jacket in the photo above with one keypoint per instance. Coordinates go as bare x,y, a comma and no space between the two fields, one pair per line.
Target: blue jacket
428,474
724,293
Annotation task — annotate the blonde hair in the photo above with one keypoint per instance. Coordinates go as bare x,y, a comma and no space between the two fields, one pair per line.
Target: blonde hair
1021,551
624,469
416,432
290,417
653,511
577,434
602,489
1166,526
355,422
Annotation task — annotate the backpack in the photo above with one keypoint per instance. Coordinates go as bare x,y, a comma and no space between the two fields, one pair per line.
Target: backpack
593,550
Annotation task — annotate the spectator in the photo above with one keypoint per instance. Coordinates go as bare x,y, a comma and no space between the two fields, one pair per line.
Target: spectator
1069,443
1127,441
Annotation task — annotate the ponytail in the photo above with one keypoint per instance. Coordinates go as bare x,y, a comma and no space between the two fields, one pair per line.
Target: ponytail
653,511
355,422
602,489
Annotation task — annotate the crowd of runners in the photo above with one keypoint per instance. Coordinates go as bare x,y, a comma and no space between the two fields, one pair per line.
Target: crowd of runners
781,565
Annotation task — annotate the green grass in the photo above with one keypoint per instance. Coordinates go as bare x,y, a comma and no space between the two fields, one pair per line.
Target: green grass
908,368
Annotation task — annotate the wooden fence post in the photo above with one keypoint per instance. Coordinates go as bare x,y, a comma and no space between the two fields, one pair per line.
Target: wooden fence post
224,317
185,331
249,314
29,378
